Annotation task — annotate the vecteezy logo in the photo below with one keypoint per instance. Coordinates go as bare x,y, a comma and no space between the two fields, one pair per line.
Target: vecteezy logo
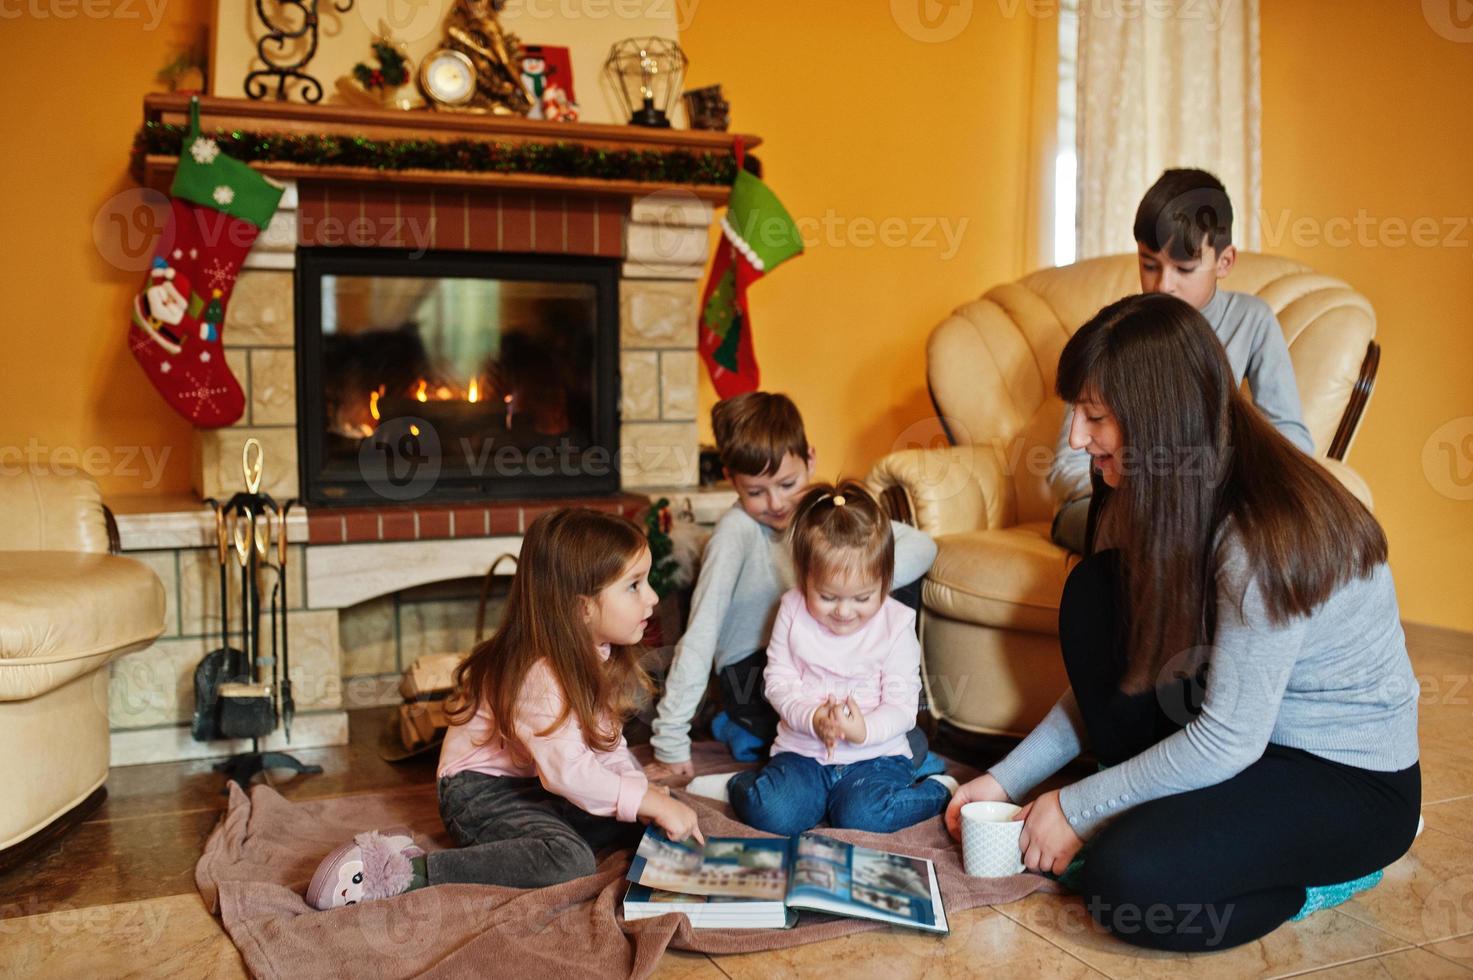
1447,459
1452,19
406,21
932,21
941,474
1181,684
130,228
1193,217
401,460
669,228
1447,911
410,928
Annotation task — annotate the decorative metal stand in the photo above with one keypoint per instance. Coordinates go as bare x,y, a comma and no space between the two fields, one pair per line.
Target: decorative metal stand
254,544
257,83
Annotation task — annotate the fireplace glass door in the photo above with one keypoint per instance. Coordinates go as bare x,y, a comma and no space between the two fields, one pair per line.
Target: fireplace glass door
455,376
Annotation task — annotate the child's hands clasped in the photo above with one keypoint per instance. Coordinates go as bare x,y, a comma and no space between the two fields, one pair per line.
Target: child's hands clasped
839,721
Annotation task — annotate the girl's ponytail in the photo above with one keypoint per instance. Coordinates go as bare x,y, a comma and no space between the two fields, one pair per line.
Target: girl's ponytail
841,530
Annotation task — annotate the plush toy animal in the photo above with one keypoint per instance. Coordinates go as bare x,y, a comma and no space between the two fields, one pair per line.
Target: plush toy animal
375,864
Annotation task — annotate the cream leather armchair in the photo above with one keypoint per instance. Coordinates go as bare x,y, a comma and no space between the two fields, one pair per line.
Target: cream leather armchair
67,607
989,621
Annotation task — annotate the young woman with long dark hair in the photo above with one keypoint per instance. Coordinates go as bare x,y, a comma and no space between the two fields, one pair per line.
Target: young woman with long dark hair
1235,657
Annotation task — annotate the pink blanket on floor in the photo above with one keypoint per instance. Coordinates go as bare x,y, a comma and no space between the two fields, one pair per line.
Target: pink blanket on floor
260,857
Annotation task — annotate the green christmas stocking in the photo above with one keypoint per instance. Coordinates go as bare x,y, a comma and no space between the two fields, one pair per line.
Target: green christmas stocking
758,234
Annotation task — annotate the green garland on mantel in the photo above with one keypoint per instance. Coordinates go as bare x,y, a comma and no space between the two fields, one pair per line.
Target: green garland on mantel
560,159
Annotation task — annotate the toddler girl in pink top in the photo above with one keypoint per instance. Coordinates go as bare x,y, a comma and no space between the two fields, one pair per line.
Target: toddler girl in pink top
535,775
844,674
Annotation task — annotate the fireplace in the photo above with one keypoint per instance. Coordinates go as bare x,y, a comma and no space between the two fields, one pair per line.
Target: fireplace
350,639
624,212
456,376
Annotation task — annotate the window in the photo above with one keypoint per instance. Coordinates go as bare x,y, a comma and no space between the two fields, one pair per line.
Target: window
1066,170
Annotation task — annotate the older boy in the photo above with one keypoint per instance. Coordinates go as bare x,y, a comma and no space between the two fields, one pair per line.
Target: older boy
1183,233
744,573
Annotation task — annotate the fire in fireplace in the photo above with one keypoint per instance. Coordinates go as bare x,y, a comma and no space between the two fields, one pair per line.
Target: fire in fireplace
455,376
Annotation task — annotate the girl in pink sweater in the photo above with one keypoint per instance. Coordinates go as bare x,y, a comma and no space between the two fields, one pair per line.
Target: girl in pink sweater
535,775
844,674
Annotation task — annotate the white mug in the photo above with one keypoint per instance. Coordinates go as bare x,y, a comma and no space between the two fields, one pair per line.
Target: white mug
990,840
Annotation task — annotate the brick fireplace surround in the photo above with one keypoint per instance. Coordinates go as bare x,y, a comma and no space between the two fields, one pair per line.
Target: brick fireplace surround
371,588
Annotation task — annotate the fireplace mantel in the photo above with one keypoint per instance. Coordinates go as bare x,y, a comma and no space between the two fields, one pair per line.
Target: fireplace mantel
443,127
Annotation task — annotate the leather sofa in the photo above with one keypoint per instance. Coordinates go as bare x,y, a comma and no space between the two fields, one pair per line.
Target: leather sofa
68,606
989,620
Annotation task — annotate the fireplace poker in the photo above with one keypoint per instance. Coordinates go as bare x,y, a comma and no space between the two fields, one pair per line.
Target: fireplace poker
242,534
261,528
263,552
216,667
275,689
288,706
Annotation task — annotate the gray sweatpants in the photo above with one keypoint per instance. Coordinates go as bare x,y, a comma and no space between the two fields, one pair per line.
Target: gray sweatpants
511,831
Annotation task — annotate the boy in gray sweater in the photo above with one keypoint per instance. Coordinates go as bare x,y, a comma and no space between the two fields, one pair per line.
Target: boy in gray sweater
1183,233
744,573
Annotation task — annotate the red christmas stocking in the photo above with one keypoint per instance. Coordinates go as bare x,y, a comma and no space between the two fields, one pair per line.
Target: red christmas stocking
219,207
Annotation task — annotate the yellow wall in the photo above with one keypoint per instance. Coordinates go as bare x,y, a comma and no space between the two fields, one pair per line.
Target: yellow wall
867,127
67,381
879,139
1365,109
1366,113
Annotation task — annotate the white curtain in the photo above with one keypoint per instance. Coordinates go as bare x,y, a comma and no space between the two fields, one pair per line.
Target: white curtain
1165,83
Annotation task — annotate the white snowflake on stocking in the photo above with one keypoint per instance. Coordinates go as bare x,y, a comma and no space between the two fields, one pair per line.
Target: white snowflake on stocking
224,195
201,394
222,276
204,150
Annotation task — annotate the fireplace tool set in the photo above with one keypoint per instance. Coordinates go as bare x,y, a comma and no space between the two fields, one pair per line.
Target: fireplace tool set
246,692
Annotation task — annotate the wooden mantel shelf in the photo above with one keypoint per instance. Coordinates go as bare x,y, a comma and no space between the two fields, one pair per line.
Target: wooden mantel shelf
386,124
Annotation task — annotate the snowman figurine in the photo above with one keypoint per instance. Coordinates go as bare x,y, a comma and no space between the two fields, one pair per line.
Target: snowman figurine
534,83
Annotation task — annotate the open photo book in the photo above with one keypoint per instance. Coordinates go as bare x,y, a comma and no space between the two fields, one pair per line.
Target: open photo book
760,882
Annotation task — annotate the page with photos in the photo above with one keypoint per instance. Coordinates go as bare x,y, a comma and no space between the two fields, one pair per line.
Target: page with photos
821,868
830,876
739,867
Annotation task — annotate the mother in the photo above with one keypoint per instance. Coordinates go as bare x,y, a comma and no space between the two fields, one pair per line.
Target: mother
1223,556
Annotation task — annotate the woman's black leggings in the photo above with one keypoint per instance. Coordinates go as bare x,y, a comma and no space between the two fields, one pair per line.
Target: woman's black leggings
1220,866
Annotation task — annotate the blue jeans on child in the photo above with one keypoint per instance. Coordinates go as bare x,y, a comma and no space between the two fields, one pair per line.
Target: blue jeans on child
792,793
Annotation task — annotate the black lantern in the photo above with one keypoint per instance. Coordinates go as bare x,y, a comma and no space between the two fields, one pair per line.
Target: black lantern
647,72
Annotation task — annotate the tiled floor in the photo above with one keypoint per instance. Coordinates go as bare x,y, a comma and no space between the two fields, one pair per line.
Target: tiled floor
117,897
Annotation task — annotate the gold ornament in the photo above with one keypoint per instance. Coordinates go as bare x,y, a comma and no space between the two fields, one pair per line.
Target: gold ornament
474,30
